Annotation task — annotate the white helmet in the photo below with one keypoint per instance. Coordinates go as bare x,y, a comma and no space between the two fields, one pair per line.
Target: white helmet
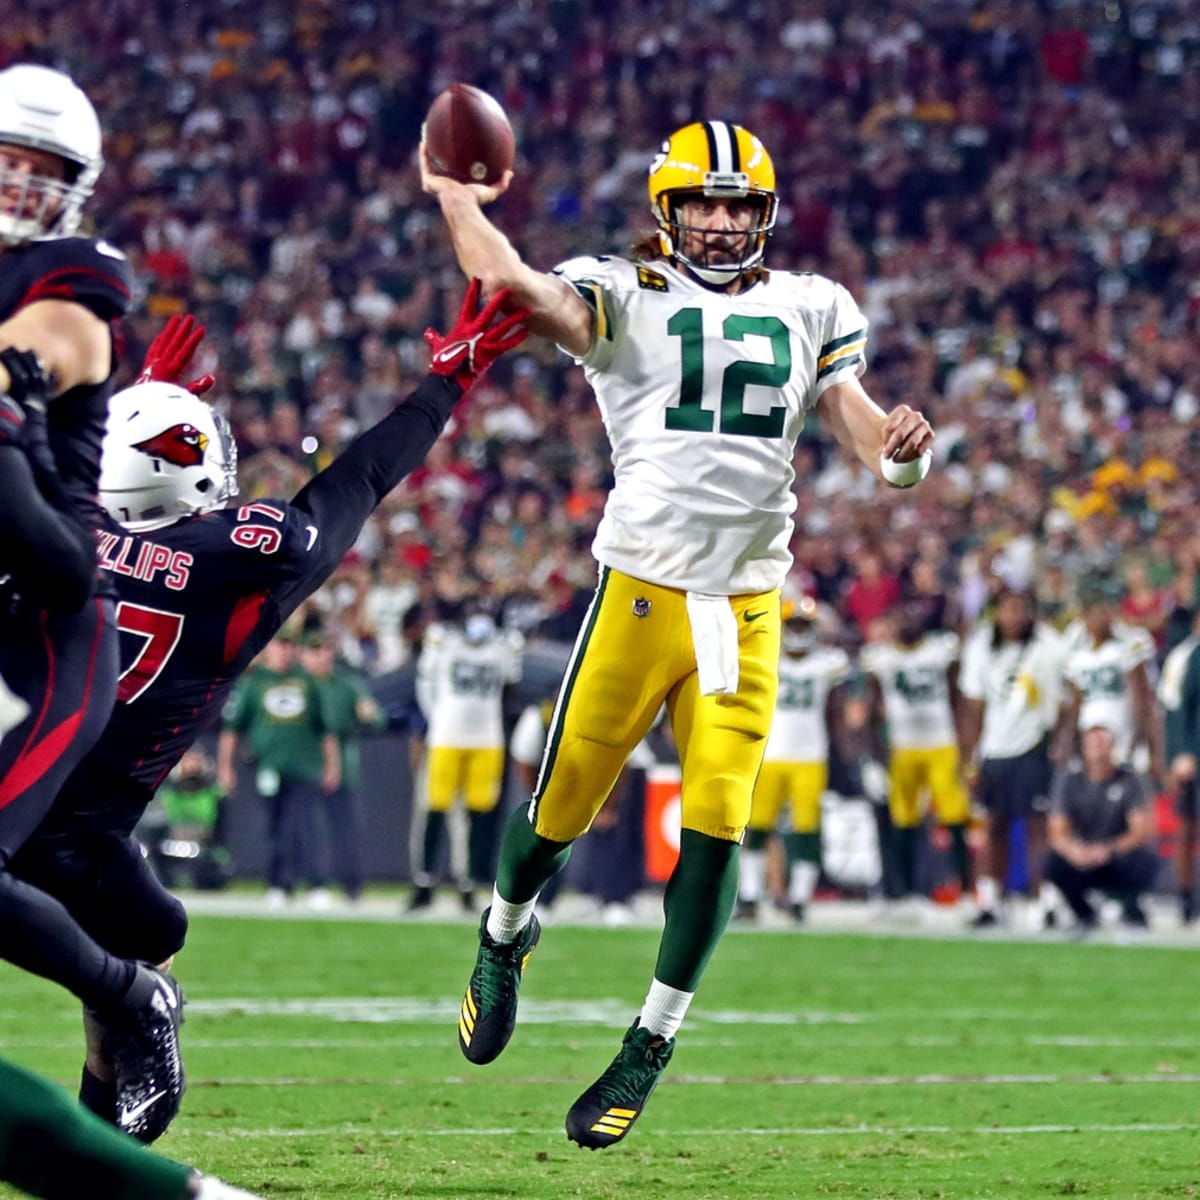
42,109
167,455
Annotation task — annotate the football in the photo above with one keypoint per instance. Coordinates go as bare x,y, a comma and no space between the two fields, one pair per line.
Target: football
467,136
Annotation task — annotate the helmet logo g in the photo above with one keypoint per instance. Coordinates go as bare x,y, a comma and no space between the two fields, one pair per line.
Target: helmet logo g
183,445
660,157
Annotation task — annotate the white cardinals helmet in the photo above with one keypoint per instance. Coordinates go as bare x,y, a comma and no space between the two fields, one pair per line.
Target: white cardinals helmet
167,455
43,109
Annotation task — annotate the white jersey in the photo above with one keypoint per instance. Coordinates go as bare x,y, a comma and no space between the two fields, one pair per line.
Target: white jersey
916,690
703,396
459,684
1020,684
798,733
1101,676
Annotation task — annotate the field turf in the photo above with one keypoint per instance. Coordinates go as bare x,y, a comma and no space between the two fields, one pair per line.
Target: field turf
323,1063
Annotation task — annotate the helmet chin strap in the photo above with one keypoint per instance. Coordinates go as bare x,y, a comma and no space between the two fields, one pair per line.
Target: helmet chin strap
720,276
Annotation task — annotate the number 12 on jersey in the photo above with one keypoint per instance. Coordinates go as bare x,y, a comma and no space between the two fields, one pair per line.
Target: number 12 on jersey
691,415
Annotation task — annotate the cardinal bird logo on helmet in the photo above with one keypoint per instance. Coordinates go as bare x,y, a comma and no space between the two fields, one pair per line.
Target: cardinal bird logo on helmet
184,445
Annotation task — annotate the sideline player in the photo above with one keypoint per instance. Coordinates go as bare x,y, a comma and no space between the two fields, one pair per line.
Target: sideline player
916,673
795,766
60,296
705,366
202,589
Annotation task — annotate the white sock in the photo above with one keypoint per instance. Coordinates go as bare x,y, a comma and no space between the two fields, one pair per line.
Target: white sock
987,894
1049,898
506,920
752,875
802,881
664,1009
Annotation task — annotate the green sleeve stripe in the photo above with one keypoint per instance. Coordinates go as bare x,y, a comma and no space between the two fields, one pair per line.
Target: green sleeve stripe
838,343
837,366
597,301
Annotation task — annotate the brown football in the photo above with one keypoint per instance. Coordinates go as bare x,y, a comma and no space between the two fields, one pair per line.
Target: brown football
467,136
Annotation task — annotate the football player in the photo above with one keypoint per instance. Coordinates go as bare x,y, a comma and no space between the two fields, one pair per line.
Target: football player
202,589
60,296
915,672
461,675
795,766
705,366
1107,669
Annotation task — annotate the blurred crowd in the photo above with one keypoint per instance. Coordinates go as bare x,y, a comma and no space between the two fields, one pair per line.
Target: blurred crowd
1010,188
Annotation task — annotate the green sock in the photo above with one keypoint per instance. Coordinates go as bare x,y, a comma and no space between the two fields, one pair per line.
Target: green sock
479,847
698,903
757,839
435,832
804,847
959,855
52,1148
906,858
527,861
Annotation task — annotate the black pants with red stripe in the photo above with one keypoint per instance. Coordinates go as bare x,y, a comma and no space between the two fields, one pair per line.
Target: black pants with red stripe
65,666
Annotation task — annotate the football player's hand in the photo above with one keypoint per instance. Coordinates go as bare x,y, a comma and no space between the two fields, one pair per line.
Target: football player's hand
171,352
906,434
474,342
438,185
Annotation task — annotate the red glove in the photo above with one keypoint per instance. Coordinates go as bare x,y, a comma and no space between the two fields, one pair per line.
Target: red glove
475,343
171,352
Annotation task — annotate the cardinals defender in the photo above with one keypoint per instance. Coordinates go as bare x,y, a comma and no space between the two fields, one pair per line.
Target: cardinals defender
202,588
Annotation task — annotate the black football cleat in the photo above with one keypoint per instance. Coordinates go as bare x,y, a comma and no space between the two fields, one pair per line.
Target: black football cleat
141,1040
605,1113
489,1009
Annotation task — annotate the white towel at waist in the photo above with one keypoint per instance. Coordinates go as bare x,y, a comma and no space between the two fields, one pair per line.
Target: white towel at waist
715,640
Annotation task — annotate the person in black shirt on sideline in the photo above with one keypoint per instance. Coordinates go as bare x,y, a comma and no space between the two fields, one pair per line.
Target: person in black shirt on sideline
1100,829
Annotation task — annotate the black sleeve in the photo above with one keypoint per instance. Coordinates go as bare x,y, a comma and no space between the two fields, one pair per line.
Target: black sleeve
94,274
52,559
341,498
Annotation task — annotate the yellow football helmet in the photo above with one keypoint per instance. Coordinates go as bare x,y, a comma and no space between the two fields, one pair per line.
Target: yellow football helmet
799,618
714,159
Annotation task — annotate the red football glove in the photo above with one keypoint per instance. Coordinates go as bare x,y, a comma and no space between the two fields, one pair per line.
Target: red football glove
475,343
171,352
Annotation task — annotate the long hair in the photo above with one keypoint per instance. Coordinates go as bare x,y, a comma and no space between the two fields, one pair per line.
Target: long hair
647,248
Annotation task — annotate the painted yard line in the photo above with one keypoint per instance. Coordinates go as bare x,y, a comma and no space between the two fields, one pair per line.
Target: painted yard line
717,1080
596,1036
817,1131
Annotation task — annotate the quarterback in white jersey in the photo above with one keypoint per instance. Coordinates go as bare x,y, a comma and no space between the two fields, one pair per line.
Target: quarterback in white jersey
704,364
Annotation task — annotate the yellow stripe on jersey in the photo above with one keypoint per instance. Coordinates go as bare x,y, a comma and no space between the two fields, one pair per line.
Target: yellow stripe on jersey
839,352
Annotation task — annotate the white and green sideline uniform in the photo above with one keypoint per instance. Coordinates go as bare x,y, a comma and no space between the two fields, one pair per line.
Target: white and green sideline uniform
703,396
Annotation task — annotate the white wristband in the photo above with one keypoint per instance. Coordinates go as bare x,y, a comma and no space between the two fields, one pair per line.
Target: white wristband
905,474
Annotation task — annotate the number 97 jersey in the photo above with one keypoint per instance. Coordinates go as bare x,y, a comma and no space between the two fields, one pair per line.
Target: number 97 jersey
703,396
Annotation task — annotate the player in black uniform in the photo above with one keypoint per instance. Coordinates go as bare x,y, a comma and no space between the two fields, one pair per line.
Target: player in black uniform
202,589
59,298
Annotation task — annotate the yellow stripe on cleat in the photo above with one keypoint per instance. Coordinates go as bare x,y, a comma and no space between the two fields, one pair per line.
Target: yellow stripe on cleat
464,1032
469,1006
623,1112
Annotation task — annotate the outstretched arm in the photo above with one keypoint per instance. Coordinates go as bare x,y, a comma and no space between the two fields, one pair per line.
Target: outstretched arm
343,496
556,310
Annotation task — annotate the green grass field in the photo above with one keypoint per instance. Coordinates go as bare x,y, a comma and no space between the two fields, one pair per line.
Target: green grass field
323,1063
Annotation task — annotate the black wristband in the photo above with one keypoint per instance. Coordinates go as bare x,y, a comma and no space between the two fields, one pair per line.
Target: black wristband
28,379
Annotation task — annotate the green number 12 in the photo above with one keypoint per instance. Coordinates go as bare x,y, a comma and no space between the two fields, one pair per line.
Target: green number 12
688,325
